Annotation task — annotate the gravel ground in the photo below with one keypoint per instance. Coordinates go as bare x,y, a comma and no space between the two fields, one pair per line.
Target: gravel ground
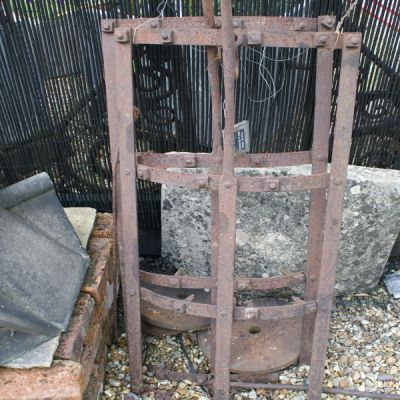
363,354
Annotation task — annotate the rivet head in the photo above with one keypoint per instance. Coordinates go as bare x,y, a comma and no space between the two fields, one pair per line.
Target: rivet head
154,24
354,40
164,36
321,157
338,181
236,23
302,25
120,35
328,22
228,185
323,39
273,185
313,277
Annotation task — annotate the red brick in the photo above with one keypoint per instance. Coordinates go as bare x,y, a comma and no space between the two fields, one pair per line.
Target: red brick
71,342
62,381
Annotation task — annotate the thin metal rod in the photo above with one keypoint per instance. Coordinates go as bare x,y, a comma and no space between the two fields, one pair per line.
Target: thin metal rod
320,150
303,388
333,218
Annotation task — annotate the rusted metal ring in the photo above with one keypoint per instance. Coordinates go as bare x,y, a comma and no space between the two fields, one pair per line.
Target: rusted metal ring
297,309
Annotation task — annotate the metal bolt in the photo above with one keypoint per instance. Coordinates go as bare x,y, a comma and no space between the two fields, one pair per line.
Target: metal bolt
154,24
223,314
302,25
189,161
328,22
217,25
120,35
313,277
323,39
237,23
338,181
273,185
203,183
228,185
164,35
321,157
354,40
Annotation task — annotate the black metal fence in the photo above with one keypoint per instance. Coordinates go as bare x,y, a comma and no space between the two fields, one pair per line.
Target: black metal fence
52,96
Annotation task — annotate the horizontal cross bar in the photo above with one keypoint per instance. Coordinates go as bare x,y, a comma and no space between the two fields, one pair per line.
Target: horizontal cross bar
244,37
206,160
296,309
246,183
194,282
268,24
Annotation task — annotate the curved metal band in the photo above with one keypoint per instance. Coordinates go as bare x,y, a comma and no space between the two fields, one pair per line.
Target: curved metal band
207,160
192,282
178,282
246,183
297,309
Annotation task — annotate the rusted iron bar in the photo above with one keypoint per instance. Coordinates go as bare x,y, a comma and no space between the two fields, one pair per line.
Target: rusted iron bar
207,160
111,95
191,282
333,217
246,184
238,313
303,388
211,37
228,186
320,149
216,126
266,24
208,379
127,200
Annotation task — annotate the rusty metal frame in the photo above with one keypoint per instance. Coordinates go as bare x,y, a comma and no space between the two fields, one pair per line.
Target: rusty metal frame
327,189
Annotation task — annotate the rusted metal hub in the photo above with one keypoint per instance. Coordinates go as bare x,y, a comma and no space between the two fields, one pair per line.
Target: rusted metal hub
261,347
171,320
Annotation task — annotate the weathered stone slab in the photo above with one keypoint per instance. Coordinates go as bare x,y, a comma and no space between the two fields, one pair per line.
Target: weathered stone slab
272,228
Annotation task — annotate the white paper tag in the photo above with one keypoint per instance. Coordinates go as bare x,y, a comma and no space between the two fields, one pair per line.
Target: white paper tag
242,137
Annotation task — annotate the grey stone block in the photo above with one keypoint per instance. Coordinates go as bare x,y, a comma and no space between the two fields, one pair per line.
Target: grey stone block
272,228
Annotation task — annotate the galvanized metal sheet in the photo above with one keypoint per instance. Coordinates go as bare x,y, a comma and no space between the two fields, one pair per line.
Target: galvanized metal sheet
41,275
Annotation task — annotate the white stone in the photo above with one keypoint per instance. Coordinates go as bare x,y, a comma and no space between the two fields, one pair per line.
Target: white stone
272,228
